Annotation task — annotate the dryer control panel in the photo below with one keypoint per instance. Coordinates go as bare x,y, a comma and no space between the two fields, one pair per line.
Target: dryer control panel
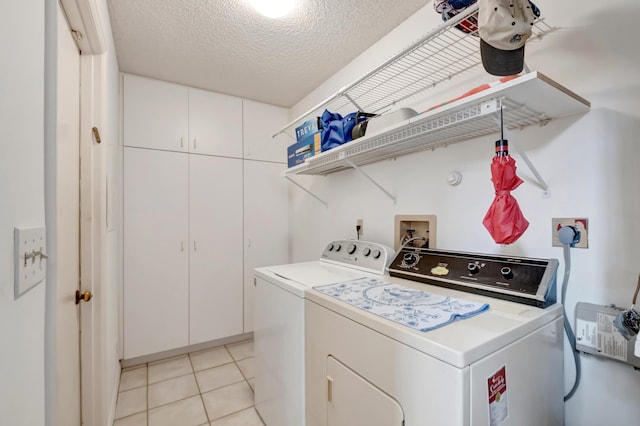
519,279
363,255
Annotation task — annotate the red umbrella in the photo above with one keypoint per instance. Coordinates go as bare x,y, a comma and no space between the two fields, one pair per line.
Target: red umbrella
504,220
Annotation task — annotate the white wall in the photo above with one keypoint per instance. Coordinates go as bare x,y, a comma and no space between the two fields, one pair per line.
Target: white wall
588,162
21,204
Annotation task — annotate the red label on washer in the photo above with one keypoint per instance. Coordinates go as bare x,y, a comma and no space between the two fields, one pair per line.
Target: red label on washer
497,384
498,406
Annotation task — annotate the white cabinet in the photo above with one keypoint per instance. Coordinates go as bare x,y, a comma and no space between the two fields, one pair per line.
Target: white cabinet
216,297
156,262
171,117
215,124
155,114
200,218
265,224
261,121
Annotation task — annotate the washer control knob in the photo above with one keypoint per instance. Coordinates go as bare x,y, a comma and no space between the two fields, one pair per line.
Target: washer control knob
330,247
506,272
338,247
376,254
366,252
351,248
473,268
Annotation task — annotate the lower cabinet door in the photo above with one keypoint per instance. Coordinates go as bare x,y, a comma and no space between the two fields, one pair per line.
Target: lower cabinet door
215,284
156,257
353,400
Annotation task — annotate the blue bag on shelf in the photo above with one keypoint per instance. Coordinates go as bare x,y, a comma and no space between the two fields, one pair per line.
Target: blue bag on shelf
337,129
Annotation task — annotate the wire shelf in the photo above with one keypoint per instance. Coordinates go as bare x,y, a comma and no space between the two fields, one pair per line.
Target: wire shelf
439,56
527,100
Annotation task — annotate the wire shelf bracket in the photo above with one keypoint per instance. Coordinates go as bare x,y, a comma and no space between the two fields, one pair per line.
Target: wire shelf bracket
370,179
306,190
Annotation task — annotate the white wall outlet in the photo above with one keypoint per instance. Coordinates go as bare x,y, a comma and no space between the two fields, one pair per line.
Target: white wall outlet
30,265
360,223
581,223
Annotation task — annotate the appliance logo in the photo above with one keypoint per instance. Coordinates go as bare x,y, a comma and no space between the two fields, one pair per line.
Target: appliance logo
497,392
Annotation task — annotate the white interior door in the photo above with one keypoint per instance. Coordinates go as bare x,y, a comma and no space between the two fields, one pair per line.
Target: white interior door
67,213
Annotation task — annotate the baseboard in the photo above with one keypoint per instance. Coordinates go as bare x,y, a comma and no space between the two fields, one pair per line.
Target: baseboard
184,350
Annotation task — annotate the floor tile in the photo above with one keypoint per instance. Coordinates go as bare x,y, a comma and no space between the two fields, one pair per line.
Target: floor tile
247,366
210,358
132,379
248,417
241,350
217,377
175,367
172,390
131,402
252,383
187,412
228,400
139,419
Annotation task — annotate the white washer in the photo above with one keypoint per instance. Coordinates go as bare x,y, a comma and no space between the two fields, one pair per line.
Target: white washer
279,330
501,367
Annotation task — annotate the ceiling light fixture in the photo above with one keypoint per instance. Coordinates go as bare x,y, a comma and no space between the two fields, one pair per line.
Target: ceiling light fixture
273,8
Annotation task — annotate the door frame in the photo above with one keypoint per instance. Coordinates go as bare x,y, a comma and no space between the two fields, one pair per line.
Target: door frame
83,17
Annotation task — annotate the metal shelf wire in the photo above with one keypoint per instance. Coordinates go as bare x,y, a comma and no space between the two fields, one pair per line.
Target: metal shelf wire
529,99
441,55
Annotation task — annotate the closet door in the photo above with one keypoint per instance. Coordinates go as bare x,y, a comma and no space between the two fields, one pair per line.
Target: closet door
265,224
156,261
155,114
216,248
215,124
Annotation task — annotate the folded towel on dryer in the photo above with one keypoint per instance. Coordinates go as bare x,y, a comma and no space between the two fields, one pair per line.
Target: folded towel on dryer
413,308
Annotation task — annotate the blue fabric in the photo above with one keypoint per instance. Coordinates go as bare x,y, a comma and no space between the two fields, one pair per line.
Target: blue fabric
413,308
337,129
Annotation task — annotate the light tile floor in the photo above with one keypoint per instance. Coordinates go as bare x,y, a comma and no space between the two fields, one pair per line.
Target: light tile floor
213,387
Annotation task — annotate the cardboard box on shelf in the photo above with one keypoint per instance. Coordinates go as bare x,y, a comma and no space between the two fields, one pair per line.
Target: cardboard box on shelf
306,147
308,127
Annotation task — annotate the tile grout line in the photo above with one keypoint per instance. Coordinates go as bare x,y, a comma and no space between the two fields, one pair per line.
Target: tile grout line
204,407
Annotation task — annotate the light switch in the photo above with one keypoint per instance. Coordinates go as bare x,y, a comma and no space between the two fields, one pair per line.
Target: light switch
30,266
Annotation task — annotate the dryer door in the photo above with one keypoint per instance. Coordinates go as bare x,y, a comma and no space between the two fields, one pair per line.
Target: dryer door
353,401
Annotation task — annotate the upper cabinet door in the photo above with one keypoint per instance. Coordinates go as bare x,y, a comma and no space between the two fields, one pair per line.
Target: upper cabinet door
261,122
215,124
155,114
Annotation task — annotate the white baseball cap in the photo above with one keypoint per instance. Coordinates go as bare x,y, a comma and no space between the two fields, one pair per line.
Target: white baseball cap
504,27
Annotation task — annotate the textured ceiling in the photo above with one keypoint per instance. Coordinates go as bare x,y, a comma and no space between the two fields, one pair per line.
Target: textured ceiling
225,46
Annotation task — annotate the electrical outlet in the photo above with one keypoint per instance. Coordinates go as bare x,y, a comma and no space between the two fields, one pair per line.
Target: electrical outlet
581,223
360,223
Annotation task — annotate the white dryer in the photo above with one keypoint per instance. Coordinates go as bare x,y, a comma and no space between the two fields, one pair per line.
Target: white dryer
279,330
501,367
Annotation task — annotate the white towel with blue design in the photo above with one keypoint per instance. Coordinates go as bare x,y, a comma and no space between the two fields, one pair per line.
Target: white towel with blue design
413,308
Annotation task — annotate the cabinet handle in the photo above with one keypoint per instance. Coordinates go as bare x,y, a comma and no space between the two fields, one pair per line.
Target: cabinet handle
195,247
195,143
329,389
181,245
181,142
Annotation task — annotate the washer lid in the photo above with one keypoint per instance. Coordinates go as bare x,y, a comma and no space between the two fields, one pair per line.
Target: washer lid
297,277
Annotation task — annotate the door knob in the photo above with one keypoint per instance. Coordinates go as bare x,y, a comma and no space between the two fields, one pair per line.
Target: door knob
86,296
